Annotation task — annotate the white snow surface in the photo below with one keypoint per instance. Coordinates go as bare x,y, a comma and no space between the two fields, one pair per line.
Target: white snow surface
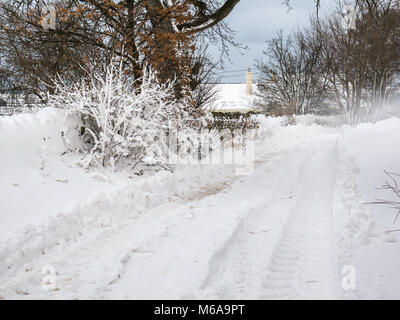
201,232
233,97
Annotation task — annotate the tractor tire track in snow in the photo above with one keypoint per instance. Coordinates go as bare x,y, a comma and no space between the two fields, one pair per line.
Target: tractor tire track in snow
301,264
268,235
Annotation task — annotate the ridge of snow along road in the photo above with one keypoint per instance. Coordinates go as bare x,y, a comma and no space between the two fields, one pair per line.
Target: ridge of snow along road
203,232
127,200
108,206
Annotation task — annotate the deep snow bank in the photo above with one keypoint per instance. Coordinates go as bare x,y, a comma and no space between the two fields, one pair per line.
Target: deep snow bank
111,206
24,138
375,148
37,178
67,207
44,191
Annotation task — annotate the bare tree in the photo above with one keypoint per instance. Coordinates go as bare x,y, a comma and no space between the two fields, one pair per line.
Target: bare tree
392,185
204,77
292,77
153,32
356,69
365,58
142,32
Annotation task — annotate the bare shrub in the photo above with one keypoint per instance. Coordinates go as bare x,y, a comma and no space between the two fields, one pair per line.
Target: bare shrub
393,186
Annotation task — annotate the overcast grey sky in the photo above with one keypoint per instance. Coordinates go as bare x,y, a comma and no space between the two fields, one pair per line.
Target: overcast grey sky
256,21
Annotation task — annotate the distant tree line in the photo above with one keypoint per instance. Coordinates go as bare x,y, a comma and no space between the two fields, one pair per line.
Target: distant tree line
346,61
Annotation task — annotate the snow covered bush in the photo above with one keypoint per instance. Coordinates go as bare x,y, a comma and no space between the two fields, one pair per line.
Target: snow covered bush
288,121
124,119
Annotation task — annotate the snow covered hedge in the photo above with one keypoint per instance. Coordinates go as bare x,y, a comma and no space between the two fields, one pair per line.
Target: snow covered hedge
124,120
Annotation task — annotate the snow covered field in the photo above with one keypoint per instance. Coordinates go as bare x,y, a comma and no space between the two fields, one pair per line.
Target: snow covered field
291,229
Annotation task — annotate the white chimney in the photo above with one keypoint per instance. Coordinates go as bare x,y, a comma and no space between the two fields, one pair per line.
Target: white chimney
249,82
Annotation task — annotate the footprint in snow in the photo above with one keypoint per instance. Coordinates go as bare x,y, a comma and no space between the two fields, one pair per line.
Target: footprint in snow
388,236
62,180
15,184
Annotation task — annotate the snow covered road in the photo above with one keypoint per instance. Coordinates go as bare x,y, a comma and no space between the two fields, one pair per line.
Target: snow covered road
297,260
285,231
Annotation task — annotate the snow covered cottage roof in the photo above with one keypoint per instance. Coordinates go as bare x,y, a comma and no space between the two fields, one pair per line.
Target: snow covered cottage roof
232,97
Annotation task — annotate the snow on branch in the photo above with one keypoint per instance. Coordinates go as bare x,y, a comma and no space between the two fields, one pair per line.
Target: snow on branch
122,118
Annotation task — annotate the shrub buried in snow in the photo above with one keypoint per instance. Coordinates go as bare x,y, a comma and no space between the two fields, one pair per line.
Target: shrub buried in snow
123,120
